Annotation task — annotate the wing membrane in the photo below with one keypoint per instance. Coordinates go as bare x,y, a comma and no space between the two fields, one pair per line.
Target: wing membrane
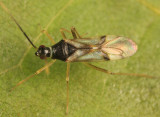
119,48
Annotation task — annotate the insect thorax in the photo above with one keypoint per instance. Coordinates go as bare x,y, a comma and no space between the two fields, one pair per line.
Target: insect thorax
62,50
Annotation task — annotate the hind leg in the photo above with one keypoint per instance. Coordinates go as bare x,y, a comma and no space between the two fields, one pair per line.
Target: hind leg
108,72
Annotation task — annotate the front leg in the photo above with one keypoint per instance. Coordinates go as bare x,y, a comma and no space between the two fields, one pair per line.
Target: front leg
49,37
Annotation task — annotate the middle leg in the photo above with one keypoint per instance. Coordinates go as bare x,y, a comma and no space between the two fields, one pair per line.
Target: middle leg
67,81
74,32
63,34
73,29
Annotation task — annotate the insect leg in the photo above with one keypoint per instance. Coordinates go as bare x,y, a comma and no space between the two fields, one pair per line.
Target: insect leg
62,32
47,69
36,73
63,29
53,42
108,72
49,37
73,29
74,34
67,81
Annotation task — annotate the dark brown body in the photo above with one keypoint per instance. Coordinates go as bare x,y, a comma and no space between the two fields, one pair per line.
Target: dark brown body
62,50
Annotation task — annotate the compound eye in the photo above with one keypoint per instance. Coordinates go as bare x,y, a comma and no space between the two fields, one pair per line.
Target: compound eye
42,46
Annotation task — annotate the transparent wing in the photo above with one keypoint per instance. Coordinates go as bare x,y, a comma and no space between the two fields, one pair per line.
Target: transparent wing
119,48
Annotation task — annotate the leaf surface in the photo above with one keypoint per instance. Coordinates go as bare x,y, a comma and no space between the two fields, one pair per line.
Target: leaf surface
92,93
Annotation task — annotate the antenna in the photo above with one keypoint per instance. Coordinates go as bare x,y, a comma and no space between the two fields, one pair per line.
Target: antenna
5,8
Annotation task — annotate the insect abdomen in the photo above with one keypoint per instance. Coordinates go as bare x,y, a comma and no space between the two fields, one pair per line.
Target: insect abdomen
62,50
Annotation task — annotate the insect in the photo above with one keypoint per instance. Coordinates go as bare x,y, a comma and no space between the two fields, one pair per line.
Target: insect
80,49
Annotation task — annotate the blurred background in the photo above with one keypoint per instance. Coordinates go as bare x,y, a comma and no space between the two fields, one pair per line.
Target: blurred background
92,93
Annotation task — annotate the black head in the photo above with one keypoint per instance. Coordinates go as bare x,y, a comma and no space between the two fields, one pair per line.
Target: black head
43,52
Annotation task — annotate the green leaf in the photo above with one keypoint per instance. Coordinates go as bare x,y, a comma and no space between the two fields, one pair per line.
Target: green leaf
92,93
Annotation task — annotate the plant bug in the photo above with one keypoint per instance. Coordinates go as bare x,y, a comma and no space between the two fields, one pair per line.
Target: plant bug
80,49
